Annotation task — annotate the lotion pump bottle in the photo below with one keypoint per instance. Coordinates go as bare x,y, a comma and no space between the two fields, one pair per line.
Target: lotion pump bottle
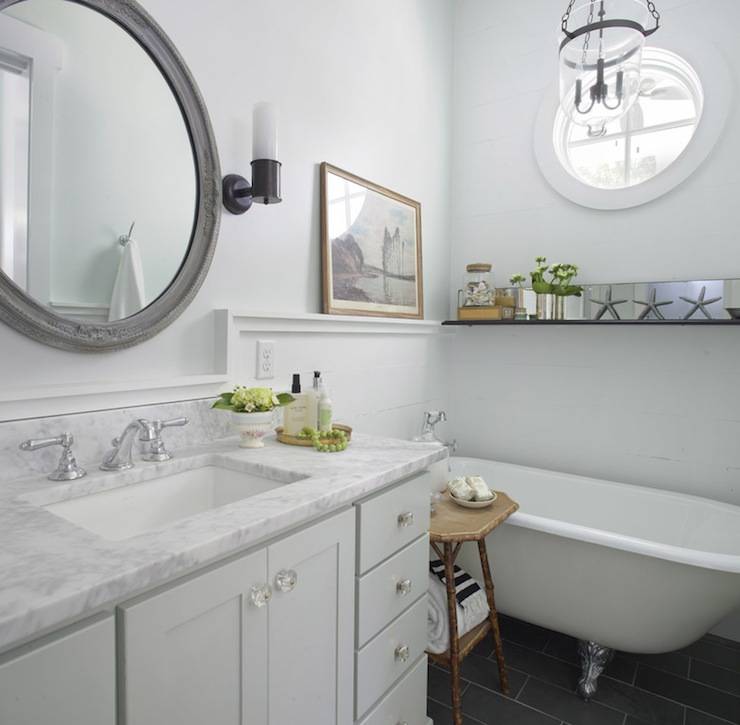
325,410
312,402
295,413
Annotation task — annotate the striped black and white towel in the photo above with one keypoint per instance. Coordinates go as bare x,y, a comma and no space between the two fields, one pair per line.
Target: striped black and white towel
465,585
472,606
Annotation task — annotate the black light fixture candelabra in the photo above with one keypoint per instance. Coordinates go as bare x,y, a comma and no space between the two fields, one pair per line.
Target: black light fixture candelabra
600,59
599,91
238,193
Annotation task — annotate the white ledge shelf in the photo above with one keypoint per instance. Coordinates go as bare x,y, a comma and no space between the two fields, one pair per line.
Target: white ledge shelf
320,323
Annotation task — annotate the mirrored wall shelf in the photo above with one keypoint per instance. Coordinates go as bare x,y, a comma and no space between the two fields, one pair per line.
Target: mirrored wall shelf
536,323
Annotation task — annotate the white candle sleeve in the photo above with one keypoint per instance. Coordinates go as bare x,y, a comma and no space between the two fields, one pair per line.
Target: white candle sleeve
265,132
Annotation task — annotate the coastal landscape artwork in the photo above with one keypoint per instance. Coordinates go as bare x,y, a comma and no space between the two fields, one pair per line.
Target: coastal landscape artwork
371,248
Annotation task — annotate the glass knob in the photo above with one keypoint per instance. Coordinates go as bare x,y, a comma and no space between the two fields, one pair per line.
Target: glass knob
285,580
260,595
406,519
403,587
402,653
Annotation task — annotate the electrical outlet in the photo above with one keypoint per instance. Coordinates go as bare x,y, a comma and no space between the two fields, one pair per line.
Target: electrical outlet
265,359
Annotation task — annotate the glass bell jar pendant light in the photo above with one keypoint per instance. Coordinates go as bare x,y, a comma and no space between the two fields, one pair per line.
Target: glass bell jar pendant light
601,58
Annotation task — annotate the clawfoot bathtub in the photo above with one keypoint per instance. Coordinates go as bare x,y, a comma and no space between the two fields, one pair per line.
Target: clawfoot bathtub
614,565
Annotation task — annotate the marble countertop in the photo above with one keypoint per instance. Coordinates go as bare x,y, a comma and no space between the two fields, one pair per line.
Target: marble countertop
53,571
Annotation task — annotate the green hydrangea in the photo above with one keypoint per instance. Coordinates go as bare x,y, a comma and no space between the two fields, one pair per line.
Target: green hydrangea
252,400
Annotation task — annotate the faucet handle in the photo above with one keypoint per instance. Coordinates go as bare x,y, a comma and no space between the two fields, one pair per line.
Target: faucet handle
174,422
432,417
151,433
67,468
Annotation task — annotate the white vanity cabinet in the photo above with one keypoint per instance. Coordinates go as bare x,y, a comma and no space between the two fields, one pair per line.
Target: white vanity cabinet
266,639
391,582
68,678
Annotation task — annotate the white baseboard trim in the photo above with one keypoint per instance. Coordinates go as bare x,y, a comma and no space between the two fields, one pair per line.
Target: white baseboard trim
46,400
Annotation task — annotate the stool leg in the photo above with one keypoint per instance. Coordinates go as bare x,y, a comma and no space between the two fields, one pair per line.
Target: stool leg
449,563
488,580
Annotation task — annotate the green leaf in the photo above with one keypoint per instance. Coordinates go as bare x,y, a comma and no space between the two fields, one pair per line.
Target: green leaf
572,290
285,398
226,397
221,404
542,288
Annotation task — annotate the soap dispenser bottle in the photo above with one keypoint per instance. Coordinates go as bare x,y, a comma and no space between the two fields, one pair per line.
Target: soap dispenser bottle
325,409
312,402
295,413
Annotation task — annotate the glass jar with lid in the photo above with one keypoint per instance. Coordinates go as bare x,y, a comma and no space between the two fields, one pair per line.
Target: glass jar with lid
478,288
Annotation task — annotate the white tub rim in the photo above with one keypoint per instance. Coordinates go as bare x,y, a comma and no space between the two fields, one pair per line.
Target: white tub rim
728,563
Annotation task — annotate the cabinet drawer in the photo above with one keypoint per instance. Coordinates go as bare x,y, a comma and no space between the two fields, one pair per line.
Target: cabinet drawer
383,660
406,702
384,592
393,519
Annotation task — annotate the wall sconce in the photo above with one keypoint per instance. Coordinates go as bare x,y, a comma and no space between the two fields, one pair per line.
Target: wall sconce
238,193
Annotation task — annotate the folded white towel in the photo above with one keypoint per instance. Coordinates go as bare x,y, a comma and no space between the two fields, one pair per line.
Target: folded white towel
438,623
128,296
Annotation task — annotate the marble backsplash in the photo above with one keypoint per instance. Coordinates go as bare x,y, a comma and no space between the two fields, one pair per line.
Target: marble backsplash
94,431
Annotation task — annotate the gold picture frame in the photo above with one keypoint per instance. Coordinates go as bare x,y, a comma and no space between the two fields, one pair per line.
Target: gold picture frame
370,248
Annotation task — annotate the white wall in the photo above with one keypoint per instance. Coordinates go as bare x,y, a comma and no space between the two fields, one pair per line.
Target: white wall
657,406
366,87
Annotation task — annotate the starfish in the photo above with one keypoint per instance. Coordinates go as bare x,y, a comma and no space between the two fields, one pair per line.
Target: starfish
608,305
700,304
652,306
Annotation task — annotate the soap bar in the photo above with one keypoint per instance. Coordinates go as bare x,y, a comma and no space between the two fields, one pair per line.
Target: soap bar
480,488
461,489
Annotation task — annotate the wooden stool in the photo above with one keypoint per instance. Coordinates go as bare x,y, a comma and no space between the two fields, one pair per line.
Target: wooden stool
450,527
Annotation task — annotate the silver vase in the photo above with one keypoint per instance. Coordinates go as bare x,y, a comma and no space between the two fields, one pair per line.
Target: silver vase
559,310
545,307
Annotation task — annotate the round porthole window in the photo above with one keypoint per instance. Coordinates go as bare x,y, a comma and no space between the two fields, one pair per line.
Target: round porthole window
647,139
685,97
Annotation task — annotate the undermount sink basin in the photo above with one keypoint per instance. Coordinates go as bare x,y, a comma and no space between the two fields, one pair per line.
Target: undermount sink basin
127,511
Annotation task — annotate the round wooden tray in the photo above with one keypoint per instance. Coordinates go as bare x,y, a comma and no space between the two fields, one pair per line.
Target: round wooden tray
296,441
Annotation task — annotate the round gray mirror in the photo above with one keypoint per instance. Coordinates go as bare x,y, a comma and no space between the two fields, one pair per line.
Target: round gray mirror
109,177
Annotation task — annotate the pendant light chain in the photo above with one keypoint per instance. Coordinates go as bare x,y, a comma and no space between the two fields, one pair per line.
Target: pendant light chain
587,41
653,11
566,16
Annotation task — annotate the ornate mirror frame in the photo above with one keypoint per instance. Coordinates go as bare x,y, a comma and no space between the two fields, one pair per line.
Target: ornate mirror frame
37,321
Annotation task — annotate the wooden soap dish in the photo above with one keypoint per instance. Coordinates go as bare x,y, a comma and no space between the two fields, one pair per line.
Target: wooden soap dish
296,441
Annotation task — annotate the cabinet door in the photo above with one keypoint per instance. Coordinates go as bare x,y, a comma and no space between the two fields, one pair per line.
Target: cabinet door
196,653
311,625
68,678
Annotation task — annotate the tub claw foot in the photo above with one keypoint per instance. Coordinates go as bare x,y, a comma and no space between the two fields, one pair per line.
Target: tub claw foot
594,659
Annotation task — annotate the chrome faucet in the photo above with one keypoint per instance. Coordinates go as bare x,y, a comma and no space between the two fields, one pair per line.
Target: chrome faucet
67,468
432,418
120,457
152,435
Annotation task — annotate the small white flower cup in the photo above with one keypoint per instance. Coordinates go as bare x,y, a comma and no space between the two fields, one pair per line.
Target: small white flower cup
252,428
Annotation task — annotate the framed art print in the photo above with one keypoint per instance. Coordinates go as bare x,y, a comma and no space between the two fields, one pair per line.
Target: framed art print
371,248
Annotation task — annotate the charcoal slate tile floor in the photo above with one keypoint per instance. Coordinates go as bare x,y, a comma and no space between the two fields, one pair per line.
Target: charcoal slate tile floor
699,685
